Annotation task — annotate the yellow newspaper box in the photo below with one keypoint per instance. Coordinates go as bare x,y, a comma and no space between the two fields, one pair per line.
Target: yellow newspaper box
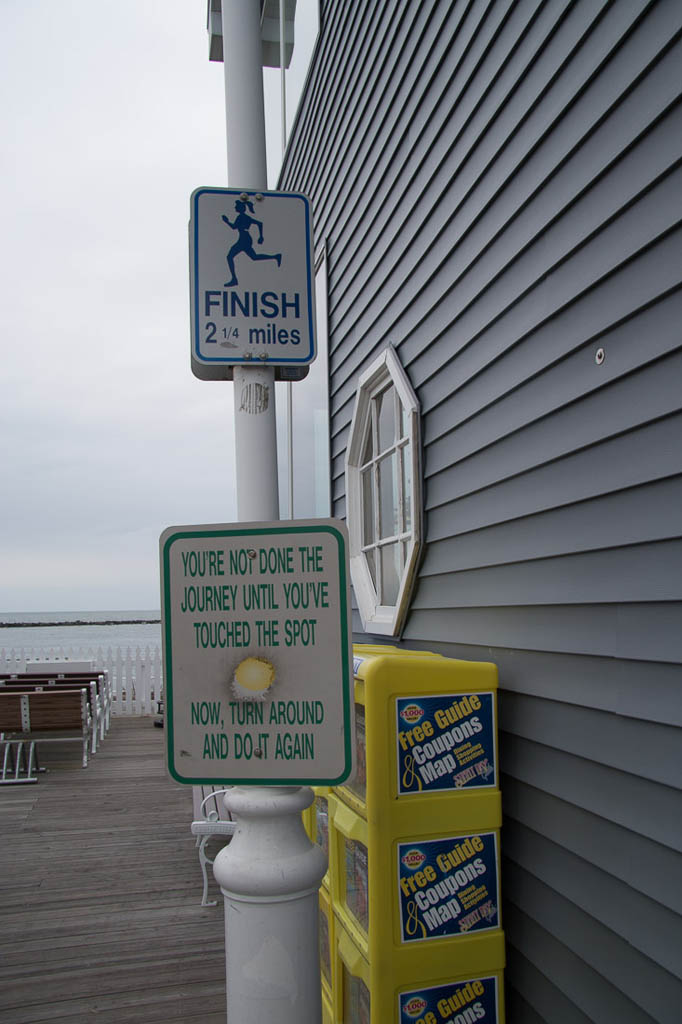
363,997
415,904
414,844
425,732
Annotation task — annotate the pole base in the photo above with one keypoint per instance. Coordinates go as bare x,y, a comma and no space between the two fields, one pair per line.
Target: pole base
270,875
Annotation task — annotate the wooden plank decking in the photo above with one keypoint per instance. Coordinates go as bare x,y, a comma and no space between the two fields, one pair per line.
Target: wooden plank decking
100,890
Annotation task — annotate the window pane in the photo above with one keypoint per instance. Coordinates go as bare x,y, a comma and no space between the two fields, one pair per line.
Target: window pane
368,448
372,565
356,998
406,459
390,573
385,404
389,523
368,530
404,421
357,881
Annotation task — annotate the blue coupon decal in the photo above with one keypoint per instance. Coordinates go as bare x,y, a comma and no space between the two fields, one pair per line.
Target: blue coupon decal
473,1000
448,886
446,742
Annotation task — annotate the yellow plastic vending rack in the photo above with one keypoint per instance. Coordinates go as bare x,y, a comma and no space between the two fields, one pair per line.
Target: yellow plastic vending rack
366,996
426,731
414,842
414,905
327,940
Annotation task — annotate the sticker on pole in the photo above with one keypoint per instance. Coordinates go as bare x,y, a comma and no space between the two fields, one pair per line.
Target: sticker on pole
252,295
257,653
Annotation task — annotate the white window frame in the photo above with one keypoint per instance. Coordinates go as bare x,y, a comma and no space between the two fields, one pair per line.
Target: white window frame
377,617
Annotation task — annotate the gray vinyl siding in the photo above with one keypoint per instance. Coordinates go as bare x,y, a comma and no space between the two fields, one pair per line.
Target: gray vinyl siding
499,186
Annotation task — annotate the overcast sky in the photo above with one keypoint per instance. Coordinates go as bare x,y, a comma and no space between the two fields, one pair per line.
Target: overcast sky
112,115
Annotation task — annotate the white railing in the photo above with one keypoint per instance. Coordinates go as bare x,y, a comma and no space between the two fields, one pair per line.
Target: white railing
136,674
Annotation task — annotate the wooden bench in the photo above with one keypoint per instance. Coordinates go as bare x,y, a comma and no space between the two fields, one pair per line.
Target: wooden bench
67,669
101,680
94,698
40,716
211,819
74,671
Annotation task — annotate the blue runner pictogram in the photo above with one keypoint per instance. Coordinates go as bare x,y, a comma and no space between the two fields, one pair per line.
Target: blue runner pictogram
244,244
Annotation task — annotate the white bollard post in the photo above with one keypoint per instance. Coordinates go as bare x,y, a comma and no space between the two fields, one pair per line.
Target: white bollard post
270,875
270,872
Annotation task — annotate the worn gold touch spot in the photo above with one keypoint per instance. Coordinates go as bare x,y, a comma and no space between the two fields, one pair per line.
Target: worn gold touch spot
253,678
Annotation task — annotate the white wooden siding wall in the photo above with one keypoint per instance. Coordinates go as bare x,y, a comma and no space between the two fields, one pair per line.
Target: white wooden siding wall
500,188
136,674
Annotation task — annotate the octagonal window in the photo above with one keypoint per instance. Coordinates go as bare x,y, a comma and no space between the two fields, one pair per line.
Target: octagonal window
382,478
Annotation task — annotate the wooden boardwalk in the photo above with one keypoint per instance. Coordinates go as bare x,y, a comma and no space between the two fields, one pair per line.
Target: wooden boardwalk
100,889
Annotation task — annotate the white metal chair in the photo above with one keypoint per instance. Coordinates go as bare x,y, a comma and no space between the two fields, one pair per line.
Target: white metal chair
207,826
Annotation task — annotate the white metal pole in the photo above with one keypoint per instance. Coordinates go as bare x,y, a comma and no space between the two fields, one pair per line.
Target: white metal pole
270,873
254,390
283,125
255,431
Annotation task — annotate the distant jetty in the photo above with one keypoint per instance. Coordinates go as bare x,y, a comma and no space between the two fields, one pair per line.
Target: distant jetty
82,622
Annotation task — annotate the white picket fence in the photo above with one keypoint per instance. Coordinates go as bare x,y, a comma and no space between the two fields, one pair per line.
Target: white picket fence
136,674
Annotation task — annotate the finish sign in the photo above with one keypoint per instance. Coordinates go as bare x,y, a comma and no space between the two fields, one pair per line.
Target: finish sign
252,295
257,653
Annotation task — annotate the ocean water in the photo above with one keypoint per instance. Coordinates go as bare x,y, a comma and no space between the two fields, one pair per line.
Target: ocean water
115,629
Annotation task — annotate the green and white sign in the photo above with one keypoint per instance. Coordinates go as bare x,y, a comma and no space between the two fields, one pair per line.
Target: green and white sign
257,653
